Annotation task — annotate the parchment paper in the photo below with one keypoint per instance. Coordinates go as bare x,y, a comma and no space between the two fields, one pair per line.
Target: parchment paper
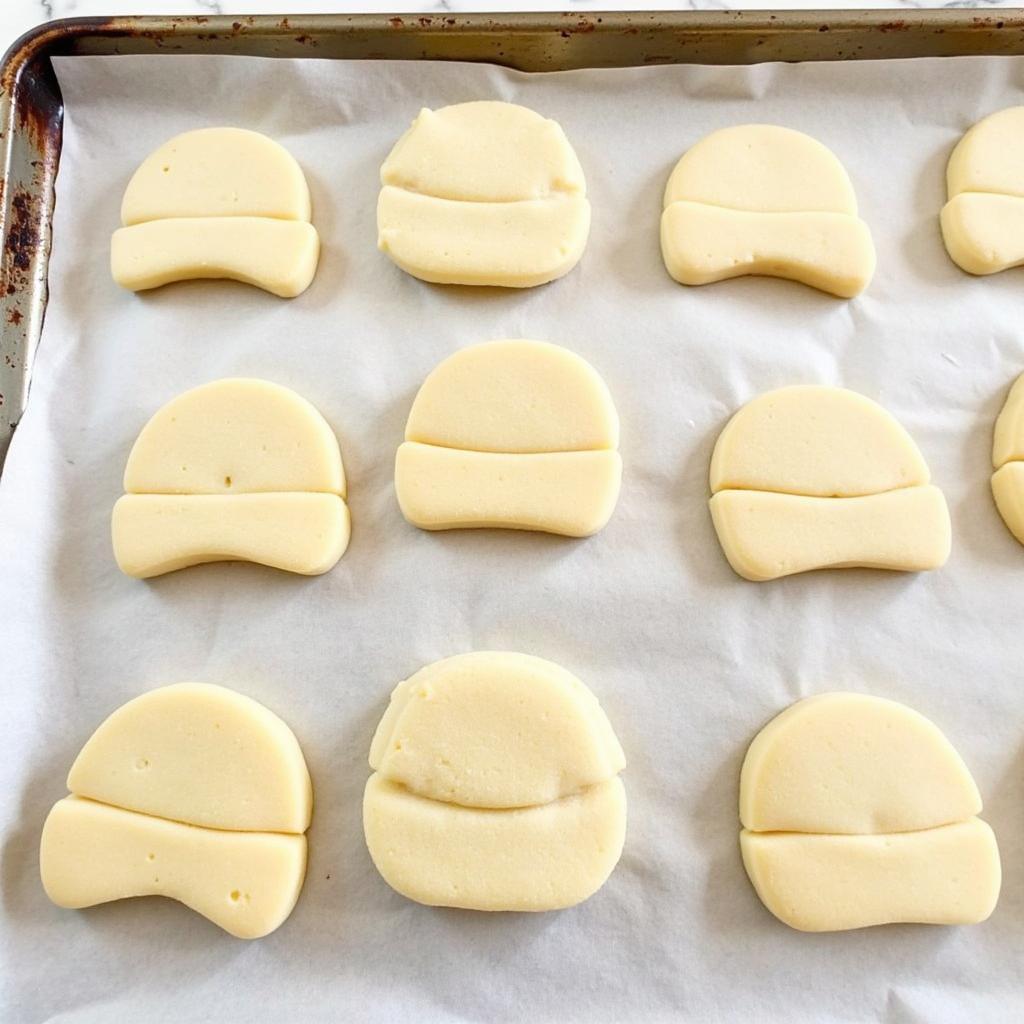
688,660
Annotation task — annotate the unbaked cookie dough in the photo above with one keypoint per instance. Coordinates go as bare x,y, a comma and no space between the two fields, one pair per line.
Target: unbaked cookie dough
495,786
1008,461
759,199
512,434
234,470
193,792
857,811
811,477
483,193
217,203
983,222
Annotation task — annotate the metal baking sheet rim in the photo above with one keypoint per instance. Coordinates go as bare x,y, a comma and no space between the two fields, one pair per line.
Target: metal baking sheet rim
31,108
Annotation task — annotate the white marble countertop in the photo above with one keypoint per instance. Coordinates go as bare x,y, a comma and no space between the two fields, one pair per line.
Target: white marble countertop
17,16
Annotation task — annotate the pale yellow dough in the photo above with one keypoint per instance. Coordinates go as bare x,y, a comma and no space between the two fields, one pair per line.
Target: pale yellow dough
192,792
483,193
495,786
1008,461
857,811
759,199
217,203
511,434
237,469
811,477
983,221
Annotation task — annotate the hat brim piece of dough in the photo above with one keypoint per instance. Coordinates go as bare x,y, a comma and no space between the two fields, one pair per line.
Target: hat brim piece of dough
766,534
1008,491
832,252
568,493
299,532
984,231
279,256
511,245
545,857
245,882
820,882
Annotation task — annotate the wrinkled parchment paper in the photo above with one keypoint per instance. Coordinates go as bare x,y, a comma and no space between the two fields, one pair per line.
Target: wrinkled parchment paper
688,660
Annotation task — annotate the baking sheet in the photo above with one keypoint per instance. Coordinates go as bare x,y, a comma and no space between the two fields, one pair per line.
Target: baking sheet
688,660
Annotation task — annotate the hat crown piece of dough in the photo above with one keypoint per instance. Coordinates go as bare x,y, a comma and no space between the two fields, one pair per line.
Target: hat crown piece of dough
235,470
190,791
857,811
495,786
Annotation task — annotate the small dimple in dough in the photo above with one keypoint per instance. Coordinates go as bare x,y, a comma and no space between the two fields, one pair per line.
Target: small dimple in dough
857,811
495,786
511,434
983,220
217,203
483,193
760,199
190,791
811,477
238,469
1008,461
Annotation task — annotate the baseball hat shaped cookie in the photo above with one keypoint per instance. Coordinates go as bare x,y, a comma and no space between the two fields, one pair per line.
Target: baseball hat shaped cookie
191,791
514,434
983,221
217,203
234,470
759,199
495,786
483,193
1008,460
812,477
857,811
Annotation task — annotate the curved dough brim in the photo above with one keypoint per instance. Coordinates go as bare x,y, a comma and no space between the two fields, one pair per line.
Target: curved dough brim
766,535
824,883
1008,491
511,245
534,858
299,532
245,882
832,252
984,231
569,493
279,256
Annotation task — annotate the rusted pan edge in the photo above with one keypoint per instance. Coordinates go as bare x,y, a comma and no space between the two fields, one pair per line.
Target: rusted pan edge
31,109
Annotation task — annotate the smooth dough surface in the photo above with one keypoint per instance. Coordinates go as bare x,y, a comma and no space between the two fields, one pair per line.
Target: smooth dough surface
495,786
537,732
760,199
1008,461
547,857
857,811
217,172
514,396
814,440
810,477
511,434
766,535
245,882
200,754
983,220
827,883
279,256
853,763
237,469
217,203
483,193
191,791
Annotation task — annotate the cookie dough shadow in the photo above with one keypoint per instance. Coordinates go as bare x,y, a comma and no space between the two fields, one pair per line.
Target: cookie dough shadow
923,246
